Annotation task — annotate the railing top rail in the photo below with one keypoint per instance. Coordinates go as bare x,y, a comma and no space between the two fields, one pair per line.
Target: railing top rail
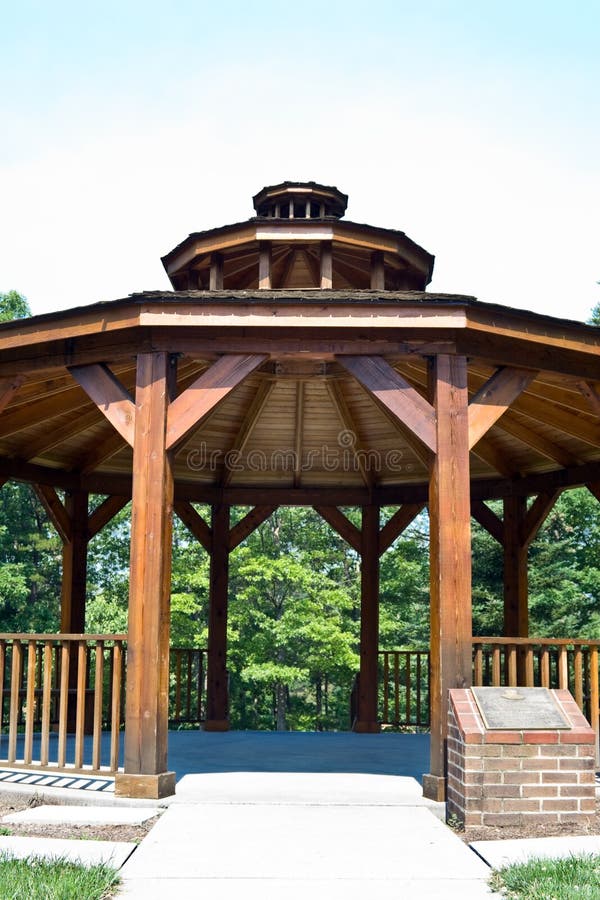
550,642
62,637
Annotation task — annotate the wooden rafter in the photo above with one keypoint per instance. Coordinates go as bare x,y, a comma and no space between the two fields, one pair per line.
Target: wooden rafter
397,524
487,450
109,395
342,525
571,423
248,524
396,394
53,438
347,422
537,514
56,511
101,450
103,514
8,389
261,398
591,394
488,519
298,432
532,438
190,407
194,522
493,399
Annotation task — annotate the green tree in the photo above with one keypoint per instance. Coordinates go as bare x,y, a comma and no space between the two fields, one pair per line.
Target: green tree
13,306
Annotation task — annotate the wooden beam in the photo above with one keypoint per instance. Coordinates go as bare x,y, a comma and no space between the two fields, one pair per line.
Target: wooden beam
194,522
537,441
367,720
488,520
217,694
261,398
326,266
347,422
342,525
55,509
494,398
8,389
248,524
102,449
216,272
264,266
74,566
574,424
188,410
103,514
536,515
494,455
147,712
109,395
377,271
591,394
594,488
398,523
298,432
396,394
450,555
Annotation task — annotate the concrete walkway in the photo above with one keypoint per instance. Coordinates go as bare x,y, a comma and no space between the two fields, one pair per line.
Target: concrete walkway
292,815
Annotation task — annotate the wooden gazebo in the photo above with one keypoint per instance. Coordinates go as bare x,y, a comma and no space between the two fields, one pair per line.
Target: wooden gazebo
297,361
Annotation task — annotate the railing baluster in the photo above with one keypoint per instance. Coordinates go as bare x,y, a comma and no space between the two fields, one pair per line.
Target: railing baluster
115,723
478,666
15,691
578,676
512,665
65,660
46,702
2,671
396,689
98,698
407,680
545,666
594,698
177,684
30,701
529,676
496,667
563,669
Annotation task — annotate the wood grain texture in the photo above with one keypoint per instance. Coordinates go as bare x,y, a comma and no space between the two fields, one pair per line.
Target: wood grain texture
398,523
342,525
488,519
396,394
250,522
150,572
188,410
109,395
516,613
55,510
217,695
367,719
194,522
450,547
493,399
104,513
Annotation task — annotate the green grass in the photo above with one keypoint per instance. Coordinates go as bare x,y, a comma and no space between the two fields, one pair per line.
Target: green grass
36,879
573,878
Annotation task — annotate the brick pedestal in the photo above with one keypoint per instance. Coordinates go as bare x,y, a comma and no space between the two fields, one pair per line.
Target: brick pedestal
520,777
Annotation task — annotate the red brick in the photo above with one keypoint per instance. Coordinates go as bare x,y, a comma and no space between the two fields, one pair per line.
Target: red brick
472,818
540,737
586,777
493,777
556,778
577,764
559,805
582,819
558,750
523,804
578,737
473,737
526,750
502,737
539,790
573,790
522,778
540,764
473,778
587,804
501,765
502,790
491,805
503,819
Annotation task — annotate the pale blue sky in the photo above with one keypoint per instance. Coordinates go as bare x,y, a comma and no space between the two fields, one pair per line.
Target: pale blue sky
472,126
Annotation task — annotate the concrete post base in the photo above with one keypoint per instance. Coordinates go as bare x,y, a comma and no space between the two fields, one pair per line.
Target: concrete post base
145,787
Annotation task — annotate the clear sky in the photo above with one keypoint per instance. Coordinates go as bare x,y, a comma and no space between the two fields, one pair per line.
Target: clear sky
473,125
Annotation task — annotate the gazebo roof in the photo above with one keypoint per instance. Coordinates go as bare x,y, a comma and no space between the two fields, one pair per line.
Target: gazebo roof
301,421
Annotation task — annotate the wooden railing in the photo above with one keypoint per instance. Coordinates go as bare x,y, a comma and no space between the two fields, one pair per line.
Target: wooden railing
542,662
187,686
404,688
52,686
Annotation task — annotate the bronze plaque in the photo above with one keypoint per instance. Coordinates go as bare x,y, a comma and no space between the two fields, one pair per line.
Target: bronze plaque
518,708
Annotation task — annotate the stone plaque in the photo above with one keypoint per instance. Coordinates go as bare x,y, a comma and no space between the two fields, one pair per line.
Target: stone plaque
517,708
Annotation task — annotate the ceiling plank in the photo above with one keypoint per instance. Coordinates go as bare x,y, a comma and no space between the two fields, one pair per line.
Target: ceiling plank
191,406
265,389
8,389
396,394
298,433
493,399
591,394
348,424
109,395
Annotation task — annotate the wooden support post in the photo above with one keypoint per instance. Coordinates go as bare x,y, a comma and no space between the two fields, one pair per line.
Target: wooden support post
217,699
450,555
264,266
74,565
367,719
515,568
147,709
377,271
326,265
